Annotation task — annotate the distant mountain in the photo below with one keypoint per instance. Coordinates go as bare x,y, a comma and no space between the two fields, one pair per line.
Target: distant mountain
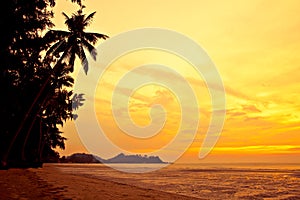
121,158
80,158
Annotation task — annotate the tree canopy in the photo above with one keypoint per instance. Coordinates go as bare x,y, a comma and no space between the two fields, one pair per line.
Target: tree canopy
36,98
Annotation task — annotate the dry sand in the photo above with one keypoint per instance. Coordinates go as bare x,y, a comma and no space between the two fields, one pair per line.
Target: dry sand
50,183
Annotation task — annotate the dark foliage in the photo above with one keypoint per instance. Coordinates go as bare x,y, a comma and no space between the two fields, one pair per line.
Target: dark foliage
35,98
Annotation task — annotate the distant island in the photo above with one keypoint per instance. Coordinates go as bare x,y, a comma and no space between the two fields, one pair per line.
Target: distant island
120,158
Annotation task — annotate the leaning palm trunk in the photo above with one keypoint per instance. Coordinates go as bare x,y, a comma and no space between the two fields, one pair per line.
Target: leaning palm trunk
23,157
41,142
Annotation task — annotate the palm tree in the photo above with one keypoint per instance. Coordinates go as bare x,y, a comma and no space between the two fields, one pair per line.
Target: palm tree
69,44
74,41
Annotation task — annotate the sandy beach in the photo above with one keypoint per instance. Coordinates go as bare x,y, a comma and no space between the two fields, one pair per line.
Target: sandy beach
52,183
179,181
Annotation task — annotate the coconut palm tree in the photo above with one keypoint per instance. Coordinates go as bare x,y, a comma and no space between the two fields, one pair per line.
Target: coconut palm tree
73,42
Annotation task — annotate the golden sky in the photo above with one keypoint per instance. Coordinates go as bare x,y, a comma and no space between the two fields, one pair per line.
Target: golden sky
254,44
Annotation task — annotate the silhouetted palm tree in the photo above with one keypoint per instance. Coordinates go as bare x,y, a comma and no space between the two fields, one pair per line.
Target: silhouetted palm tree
74,41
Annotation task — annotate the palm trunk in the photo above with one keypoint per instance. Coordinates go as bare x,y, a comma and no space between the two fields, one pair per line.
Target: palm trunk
42,149
40,146
23,157
42,143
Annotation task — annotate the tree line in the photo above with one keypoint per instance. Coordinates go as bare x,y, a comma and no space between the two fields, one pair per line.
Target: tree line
35,78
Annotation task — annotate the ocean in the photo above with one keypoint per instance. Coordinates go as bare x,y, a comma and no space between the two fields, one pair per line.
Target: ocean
205,181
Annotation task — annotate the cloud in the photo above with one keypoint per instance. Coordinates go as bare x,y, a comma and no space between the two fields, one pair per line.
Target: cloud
251,108
247,111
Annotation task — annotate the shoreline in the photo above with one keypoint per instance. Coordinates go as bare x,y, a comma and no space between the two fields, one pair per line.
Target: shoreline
51,183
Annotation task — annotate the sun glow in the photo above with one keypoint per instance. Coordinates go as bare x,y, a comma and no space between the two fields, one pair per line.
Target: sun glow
255,46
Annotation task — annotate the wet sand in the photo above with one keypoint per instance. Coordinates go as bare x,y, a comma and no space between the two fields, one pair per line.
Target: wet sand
50,183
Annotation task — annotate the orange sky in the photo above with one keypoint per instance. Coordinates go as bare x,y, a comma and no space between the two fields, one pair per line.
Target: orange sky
254,44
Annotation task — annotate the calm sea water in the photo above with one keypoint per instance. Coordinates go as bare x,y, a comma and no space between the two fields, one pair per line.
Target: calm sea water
206,181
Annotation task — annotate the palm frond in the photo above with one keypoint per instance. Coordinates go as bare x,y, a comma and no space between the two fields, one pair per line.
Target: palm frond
66,81
101,36
93,37
79,2
91,48
72,59
52,3
82,56
75,23
60,49
53,49
77,101
54,35
66,16
66,52
88,20
69,23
